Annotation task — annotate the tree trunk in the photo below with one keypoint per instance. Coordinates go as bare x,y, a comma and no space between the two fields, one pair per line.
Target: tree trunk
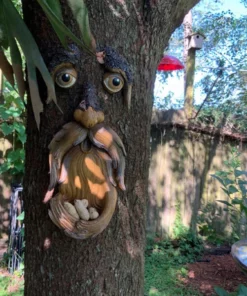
113,262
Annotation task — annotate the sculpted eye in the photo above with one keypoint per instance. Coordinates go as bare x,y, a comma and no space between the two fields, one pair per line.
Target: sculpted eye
65,76
113,82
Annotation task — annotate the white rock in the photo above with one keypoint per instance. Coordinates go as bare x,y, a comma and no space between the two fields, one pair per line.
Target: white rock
93,213
71,210
81,209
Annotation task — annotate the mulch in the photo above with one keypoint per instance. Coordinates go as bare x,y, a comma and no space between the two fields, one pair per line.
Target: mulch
220,270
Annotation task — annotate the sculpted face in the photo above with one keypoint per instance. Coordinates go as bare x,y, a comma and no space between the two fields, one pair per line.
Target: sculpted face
87,158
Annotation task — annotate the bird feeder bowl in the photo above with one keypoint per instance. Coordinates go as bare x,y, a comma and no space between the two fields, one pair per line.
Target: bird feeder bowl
239,253
196,40
170,63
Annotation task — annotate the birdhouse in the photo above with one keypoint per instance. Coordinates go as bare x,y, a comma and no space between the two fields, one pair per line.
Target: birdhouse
196,40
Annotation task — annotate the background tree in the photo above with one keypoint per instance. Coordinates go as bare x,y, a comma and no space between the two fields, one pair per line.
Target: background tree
112,263
222,58
223,55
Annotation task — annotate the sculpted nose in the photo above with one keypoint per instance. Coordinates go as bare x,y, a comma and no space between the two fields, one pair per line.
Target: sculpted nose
89,112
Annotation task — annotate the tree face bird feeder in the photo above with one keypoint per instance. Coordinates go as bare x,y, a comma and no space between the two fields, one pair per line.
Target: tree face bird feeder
170,63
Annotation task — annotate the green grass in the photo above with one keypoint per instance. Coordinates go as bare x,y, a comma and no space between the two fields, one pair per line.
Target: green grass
164,270
11,281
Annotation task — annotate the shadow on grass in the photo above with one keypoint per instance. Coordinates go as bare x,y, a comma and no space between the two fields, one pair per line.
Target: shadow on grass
11,285
165,269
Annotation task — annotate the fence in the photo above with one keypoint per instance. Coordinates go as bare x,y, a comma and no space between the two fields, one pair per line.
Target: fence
180,184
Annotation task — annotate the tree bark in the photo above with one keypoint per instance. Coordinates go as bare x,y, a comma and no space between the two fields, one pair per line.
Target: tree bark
113,262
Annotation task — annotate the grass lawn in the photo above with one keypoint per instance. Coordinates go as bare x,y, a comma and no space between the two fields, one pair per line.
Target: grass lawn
165,269
11,285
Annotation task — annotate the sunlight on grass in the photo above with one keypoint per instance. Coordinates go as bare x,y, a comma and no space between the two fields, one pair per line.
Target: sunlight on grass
164,274
11,285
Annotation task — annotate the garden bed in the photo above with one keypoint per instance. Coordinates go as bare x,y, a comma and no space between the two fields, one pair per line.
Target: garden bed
219,270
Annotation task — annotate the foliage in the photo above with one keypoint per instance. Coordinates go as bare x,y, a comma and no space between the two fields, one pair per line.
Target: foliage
161,101
211,225
11,283
223,52
241,291
15,31
12,121
178,229
53,11
15,34
244,2
164,269
189,244
233,181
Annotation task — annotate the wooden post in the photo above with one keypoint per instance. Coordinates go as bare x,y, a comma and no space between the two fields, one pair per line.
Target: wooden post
189,61
189,83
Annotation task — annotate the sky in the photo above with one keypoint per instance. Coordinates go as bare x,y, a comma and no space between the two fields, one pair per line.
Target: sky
235,6
175,84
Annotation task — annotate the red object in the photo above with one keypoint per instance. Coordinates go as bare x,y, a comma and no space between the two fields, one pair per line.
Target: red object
170,63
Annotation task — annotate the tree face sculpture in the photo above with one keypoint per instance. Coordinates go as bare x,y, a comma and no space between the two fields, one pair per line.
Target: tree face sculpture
87,158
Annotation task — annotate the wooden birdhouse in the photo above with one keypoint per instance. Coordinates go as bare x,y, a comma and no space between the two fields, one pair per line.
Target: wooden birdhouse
196,40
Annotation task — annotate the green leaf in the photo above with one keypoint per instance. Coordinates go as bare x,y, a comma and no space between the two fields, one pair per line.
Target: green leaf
220,291
219,179
243,208
21,132
239,173
17,65
225,190
3,113
225,202
232,189
222,174
57,10
21,216
80,13
19,167
242,182
13,112
4,167
228,181
243,190
16,155
19,103
60,28
242,290
34,59
6,129
19,127
22,232
236,201
22,138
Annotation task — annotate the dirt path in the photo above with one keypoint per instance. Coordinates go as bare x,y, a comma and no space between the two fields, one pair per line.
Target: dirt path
219,271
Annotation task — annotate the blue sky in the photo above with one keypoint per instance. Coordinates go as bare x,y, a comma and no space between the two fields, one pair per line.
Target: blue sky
235,6
175,84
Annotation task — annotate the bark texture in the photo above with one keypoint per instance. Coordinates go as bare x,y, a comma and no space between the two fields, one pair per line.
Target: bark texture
113,262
